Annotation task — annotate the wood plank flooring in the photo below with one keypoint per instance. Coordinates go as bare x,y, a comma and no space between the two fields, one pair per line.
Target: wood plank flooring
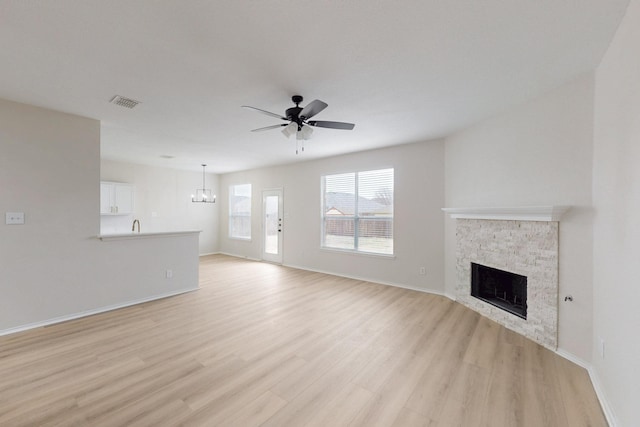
264,345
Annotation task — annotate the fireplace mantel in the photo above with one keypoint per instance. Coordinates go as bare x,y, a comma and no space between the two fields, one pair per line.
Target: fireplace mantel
521,213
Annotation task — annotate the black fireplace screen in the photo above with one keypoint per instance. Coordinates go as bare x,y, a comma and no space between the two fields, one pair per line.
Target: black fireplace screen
502,289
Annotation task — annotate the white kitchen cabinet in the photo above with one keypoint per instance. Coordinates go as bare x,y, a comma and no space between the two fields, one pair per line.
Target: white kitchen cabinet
116,198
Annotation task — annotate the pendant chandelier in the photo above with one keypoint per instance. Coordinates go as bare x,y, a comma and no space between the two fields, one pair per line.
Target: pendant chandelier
202,194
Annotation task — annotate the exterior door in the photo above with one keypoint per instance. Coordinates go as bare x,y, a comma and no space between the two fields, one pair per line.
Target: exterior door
272,225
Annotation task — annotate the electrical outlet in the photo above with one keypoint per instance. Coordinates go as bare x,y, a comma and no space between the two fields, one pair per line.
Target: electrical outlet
602,348
13,218
423,271
169,274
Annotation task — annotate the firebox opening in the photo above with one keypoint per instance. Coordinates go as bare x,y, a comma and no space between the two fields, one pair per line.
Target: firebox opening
502,289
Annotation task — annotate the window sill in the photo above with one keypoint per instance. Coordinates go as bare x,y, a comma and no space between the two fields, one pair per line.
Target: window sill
358,253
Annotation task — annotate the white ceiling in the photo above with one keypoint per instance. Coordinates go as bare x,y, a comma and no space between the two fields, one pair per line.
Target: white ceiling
403,71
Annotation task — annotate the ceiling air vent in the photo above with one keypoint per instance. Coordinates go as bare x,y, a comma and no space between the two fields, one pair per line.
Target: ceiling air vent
124,102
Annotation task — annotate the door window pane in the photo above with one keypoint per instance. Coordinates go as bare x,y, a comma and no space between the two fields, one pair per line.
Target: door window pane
271,225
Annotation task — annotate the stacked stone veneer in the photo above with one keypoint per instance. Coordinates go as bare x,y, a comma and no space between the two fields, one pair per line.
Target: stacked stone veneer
529,248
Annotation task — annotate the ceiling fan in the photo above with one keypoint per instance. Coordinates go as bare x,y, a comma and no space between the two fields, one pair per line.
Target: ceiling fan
298,118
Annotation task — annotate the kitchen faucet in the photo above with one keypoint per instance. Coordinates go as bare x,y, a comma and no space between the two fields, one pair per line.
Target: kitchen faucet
133,227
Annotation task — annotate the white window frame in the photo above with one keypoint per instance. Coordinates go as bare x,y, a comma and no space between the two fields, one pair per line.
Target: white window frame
233,215
356,217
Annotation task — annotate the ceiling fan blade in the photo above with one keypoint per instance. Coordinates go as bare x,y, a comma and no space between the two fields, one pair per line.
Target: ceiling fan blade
268,127
331,125
268,113
312,108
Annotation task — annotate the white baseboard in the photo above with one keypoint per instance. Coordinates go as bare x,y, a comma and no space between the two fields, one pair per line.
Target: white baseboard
595,381
604,403
364,279
209,253
573,358
73,316
240,256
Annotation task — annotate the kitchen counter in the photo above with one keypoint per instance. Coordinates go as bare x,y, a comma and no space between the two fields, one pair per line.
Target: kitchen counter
136,235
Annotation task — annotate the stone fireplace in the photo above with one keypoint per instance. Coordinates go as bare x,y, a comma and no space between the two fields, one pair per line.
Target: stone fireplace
520,241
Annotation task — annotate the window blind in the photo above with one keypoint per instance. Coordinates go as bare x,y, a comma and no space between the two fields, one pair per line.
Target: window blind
240,211
357,211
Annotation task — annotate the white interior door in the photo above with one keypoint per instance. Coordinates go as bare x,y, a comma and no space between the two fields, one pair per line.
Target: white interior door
272,225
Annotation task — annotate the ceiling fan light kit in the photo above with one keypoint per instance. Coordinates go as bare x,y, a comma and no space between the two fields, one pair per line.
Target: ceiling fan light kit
298,118
305,133
290,129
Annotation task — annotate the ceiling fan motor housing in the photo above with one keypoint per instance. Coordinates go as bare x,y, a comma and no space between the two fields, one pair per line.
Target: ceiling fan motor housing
293,113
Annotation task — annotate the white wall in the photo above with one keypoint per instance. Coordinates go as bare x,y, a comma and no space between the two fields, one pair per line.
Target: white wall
418,222
616,194
53,267
163,201
539,153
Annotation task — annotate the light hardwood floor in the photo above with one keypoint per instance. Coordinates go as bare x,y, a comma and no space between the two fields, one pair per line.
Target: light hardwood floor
264,345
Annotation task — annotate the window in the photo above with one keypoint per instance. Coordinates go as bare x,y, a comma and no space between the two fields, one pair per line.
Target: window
357,211
240,211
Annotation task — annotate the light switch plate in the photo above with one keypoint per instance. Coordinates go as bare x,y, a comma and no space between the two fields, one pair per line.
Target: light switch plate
13,218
